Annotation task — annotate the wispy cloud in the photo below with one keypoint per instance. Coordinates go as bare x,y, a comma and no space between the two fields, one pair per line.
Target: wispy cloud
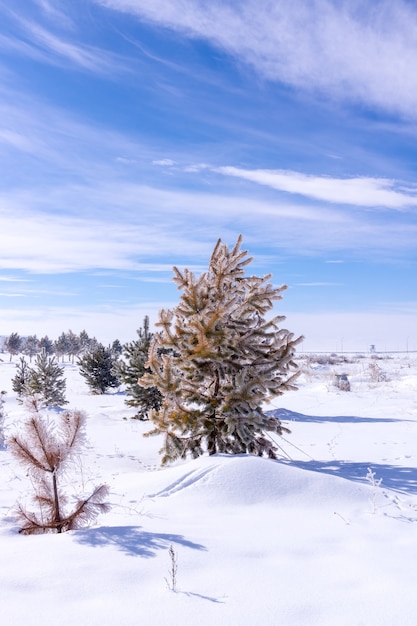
167,162
362,52
99,217
15,140
53,11
46,243
363,191
52,139
13,279
37,41
131,227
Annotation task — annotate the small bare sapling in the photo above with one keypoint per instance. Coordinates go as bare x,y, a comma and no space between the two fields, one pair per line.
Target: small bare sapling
46,446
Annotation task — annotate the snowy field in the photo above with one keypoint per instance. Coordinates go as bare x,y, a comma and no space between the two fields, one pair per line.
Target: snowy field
304,541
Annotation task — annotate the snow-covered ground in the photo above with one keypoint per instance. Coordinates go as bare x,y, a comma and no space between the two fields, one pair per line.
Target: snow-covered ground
305,541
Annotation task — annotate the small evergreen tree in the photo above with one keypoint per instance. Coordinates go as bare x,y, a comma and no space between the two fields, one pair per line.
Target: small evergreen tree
96,366
21,379
31,346
227,360
92,345
45,447
62,346
116,348
84,341
13,344
46,381
132,367
47,345
74,345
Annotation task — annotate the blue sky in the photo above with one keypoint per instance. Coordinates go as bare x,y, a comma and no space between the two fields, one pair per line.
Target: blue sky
134,134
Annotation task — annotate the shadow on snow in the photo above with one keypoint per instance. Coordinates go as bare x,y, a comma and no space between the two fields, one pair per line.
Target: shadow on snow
132,540
292,416
396,478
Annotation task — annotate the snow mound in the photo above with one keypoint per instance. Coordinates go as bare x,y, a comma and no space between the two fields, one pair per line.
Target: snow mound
246,480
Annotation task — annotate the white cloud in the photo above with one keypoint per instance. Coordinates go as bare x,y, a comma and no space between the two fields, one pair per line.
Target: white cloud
363,191
196,167
119,224
363,52
46,243
10,279
126,226
163,162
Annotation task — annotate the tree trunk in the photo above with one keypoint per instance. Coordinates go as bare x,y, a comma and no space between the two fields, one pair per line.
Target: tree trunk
57,515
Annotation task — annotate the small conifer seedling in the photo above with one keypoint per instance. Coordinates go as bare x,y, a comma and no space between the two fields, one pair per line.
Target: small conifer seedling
97,368
45,447
46,381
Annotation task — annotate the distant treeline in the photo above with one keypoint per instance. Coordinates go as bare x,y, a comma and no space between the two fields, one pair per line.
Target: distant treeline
67,346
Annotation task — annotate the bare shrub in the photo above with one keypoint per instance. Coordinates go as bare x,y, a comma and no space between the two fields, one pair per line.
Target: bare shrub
377,374
381,357
328,359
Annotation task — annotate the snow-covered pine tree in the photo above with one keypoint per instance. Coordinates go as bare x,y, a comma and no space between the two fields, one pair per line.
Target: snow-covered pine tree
62,346
46,381
47,345
31,346
132,367
74,345
20,380
96,367
85,341
116,348
13,344
225,361
45,447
